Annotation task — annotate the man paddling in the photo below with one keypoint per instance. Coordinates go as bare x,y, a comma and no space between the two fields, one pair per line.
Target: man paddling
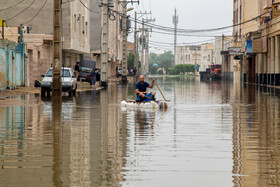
141,90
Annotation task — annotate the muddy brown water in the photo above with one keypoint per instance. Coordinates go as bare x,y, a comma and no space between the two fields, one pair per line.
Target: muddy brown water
213,134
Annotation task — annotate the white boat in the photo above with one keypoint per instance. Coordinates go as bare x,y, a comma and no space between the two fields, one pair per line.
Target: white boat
144,104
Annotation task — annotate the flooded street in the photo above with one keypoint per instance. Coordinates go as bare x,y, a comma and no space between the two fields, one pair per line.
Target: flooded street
212,134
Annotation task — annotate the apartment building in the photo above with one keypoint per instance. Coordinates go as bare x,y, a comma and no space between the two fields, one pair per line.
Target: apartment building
37,18
207,54
260,63
189,54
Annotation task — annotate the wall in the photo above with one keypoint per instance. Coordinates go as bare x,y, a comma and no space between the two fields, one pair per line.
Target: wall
11,65
206,56
186,55
39,49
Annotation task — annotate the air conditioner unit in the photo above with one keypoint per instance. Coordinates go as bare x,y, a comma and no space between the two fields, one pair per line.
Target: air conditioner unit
25,29
110,3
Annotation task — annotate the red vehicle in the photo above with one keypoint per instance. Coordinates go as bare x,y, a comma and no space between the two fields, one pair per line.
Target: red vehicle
216,71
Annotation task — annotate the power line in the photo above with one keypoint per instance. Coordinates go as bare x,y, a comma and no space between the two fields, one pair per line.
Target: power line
169,29
37,12
21,11
89,8
11,6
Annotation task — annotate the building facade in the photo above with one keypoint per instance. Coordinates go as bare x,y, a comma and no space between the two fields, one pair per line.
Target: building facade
114,37
75,24
260,42
189,54
207,54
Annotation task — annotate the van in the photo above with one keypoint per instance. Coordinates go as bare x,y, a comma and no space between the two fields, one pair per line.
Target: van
86,67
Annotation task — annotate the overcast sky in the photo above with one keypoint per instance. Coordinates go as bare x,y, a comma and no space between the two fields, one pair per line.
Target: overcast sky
193,14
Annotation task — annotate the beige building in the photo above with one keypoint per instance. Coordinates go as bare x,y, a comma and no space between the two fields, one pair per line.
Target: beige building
75,24
207,54
39,53
114,37
189,54
260,42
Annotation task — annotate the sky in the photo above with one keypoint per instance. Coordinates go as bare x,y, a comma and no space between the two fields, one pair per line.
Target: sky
193,14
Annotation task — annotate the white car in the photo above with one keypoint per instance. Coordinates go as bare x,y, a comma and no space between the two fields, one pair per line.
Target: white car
69,82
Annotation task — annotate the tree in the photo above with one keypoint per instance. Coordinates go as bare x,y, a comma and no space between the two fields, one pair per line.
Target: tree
183,68
130,60
165,60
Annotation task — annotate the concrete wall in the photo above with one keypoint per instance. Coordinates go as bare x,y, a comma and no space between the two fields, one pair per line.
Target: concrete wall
11,65
251,9
217,50
39,56
95,26
206,56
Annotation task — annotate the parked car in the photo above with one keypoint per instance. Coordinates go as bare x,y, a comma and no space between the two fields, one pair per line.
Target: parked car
119,73
69,83
86,66
84,74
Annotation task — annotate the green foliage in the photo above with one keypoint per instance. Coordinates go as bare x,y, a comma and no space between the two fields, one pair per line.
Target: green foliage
172,71
130,60
165,60
184,68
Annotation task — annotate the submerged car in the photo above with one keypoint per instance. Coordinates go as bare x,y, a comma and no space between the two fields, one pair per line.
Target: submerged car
68,79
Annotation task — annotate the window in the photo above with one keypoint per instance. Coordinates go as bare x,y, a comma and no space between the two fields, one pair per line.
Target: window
80,26
75,22
65,73
86,29
240,12
83,25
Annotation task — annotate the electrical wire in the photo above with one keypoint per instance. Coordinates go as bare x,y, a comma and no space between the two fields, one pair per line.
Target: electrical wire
170,29
89,8
37,12
11,6
21,11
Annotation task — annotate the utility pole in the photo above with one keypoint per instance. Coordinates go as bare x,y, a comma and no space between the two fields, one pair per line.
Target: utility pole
147,51
142,49
57,54
136,60
124,42
175,22
135,43
195,61
124,37
223,57
104,47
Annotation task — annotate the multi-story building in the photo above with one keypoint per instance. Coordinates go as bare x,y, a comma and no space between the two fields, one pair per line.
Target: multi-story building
237,19
114,36
266,67
75,29
189,54
260,41
207,53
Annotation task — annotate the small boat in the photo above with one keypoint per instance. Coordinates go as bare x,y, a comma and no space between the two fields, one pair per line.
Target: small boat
144,104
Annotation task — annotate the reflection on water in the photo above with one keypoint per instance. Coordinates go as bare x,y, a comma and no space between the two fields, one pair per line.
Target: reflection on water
213,134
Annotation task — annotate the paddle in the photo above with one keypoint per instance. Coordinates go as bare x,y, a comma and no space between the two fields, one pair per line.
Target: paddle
161,91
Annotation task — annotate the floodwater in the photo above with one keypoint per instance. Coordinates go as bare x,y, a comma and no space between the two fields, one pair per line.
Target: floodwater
213,134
